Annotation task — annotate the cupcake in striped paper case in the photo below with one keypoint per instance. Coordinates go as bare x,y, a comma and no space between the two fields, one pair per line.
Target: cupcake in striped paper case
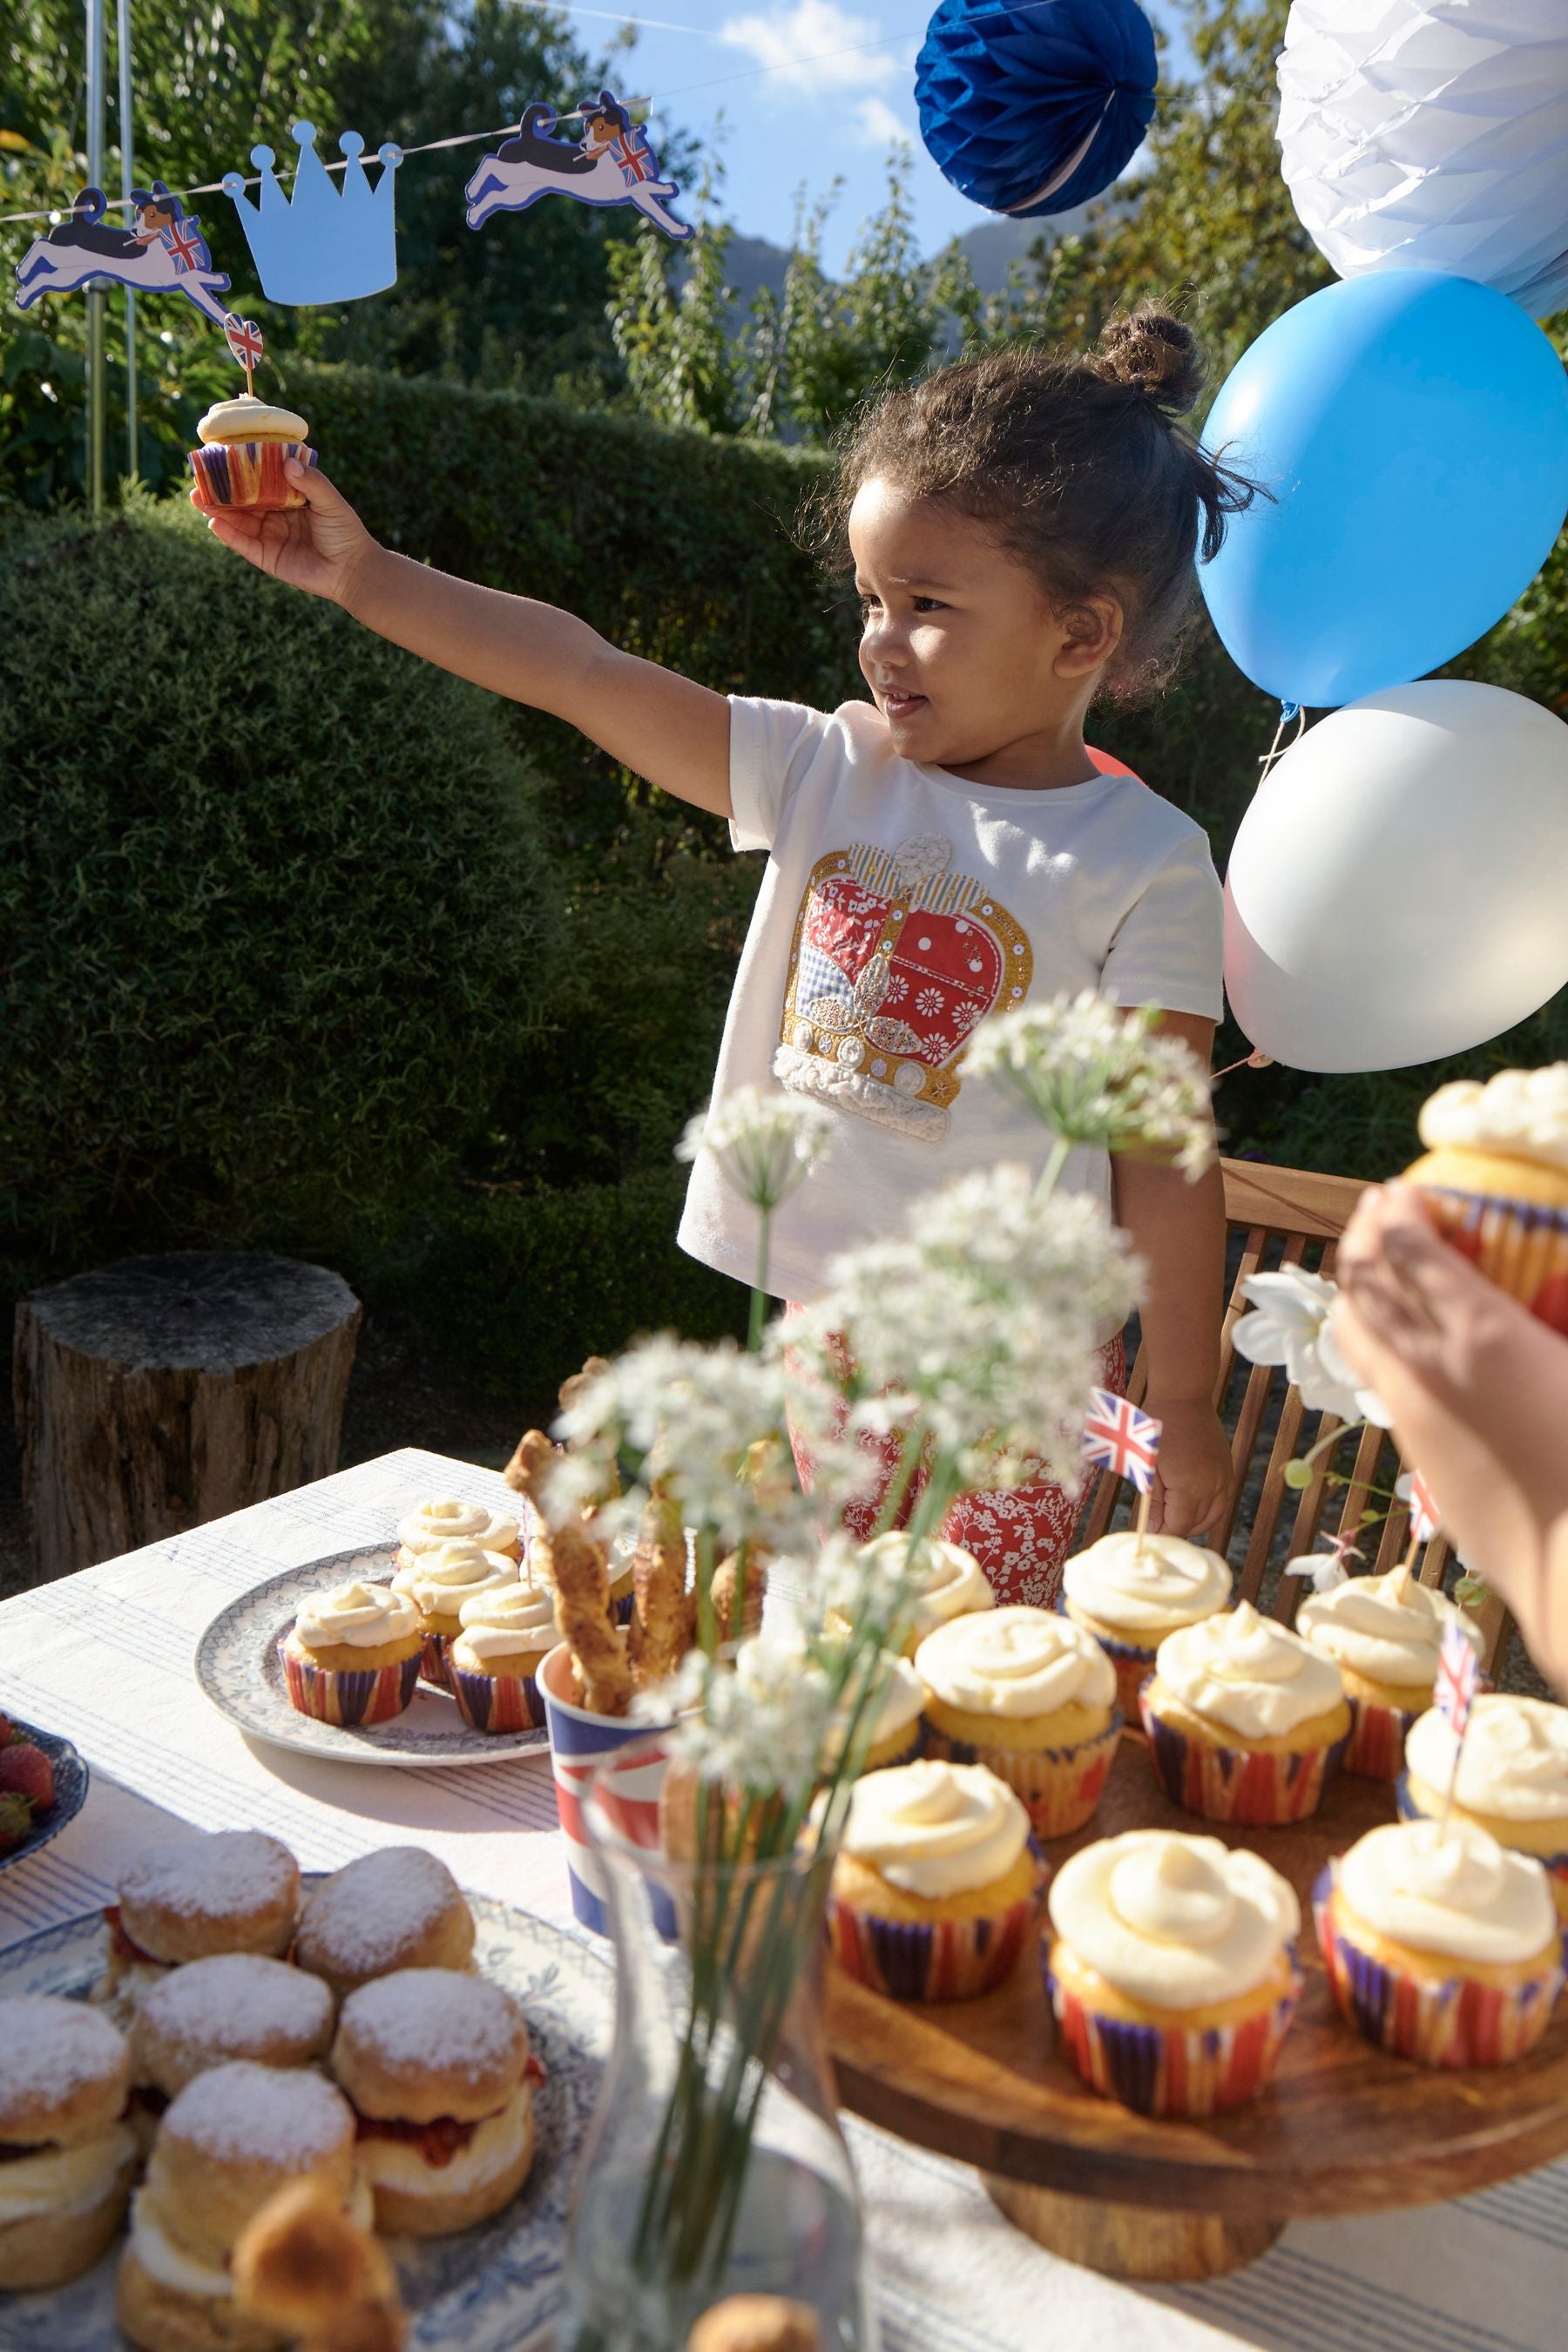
246,444
440,1584
936,1884
1513,1779
352,1655
1129,1590
505,1634
1384,1632
1032,1696
1247,1722
949,1581
1495,1170
1171,1969
1442,1946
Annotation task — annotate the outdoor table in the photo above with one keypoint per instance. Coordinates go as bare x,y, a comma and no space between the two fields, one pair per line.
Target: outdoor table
105,1657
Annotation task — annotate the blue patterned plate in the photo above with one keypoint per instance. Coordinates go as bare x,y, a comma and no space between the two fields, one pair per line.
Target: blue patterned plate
70,1792
492,2289
238,1667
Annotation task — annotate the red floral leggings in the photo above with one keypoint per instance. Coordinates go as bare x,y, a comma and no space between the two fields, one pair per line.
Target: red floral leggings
1019,1538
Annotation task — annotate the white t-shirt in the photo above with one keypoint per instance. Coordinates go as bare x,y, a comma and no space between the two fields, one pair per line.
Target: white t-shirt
900,906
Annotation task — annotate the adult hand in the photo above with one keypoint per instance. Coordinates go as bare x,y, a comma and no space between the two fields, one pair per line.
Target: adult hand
1193,1476
321,547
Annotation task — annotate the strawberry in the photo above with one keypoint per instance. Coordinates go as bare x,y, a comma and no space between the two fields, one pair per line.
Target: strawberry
15,1819
28,1772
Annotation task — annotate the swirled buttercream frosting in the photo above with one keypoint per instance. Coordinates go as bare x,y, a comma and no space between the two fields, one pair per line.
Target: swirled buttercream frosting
936,1829
1389,1628
1174,1920
361,1616
440,1581
1146,1585
950,1581
1522,1114
430,1525
1515,1759
1457,1893
1248,1672
1016,1662
505,1618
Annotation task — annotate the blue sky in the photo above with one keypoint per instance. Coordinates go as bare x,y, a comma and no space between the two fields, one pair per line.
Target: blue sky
787,91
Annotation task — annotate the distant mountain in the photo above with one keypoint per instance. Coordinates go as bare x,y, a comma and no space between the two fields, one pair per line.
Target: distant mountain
991,248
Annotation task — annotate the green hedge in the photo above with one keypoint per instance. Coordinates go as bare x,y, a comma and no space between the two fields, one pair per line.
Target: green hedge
276,911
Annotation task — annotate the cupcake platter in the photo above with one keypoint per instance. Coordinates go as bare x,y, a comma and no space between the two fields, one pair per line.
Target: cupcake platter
239,1668
1344,2128
495,2288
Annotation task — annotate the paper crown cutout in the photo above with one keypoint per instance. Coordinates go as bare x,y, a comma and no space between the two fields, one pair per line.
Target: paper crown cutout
324,247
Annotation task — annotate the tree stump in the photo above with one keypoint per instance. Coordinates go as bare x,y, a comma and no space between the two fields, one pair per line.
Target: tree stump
162,1391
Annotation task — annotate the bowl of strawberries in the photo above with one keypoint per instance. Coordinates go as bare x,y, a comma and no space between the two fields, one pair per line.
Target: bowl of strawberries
42,1785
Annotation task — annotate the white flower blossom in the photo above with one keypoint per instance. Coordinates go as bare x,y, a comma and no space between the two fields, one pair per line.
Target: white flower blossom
767,1726
980,1326
1324,1570
766,1141
1096,1075
1291,1325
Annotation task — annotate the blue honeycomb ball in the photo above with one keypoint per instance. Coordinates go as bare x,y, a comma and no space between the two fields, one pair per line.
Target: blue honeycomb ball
1035,108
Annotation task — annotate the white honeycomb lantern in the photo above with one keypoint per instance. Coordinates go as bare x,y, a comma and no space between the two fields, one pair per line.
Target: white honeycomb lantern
1432,134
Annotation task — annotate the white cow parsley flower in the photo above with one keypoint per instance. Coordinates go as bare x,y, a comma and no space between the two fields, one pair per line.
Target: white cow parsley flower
766,1141
1291,1325
1096,1075
762,1727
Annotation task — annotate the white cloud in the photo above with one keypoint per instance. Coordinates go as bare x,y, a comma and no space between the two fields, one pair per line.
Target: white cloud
878,125
814,46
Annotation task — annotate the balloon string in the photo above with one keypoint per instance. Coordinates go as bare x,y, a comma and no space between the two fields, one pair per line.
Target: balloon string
1248,1062
1288,711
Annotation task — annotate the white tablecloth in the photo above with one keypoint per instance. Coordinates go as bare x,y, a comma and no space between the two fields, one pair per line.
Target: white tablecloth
105,1657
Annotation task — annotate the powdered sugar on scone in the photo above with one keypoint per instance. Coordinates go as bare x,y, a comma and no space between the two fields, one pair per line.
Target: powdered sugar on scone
237,1997
464,2024
247,2113
231,1870
51,2047
375,1910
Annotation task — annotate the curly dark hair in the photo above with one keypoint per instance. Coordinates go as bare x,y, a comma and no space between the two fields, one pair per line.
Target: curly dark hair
1079,465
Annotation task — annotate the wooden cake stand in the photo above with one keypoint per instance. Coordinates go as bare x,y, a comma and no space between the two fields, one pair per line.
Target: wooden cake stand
1343,2128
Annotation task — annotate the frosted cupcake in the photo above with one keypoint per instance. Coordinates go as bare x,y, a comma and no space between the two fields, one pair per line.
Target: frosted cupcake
1129,1591
936,1882
506,1633
438,1583
1384,1633
1513,1777
1247,1722
1495,1172
246,444
1031,1695
423,1530
1171,1969
1446,1949
352,1655
949,1583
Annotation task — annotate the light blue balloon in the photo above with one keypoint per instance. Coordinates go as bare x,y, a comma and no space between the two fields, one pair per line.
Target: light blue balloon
1413,429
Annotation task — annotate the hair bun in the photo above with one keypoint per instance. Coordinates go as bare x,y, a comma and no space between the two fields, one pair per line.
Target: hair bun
1153,353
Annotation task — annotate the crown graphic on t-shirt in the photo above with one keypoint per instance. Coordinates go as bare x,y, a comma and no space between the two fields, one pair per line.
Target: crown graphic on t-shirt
894,962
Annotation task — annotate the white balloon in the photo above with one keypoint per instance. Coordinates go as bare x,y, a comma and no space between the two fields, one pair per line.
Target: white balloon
1399,889
1432,134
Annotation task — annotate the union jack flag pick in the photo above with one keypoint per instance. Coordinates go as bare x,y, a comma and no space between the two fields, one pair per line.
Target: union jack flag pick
1425,1520
244,341
1458,1676
1120,1437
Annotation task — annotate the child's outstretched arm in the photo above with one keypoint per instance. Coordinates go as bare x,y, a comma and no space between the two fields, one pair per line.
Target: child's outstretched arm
1178,1228
666,727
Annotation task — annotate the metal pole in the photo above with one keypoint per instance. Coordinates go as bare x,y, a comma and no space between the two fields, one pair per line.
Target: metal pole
95,299
127,175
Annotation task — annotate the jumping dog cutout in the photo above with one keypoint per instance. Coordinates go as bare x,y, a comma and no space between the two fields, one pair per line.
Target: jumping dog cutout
611,164
163,252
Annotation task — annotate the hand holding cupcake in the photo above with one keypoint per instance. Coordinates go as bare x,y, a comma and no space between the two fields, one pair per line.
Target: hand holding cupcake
1247,1722
245,444
1129,1590
1172,1970
1495,1172
1032,1696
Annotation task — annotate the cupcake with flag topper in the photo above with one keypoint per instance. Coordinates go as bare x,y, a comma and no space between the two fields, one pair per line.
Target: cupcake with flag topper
1495,1170
1384,1633
1510,1777
246,444
1171,1969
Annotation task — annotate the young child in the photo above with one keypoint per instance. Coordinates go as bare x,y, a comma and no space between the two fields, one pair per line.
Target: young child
1023,530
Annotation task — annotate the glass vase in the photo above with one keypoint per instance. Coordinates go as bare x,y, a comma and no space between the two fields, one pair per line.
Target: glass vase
714,2164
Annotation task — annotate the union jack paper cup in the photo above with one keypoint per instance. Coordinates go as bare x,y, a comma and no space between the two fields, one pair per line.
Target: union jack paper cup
1448,2021
247,474
579,1742
1164,2070
1239,1784
1555,1866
